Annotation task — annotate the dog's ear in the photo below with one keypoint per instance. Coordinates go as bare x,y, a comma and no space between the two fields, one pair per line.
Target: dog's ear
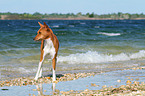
46,25
40,24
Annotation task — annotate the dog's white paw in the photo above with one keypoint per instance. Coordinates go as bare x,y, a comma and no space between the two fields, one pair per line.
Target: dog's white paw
36,78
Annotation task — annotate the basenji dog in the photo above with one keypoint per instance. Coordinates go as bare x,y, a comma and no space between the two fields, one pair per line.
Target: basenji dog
49,46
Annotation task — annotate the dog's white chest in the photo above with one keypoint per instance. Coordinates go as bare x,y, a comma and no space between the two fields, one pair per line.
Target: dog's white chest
49,48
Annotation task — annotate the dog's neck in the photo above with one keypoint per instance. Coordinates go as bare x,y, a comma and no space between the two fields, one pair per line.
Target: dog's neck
47,41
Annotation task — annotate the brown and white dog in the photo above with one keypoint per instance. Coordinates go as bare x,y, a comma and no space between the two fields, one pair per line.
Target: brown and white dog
49,46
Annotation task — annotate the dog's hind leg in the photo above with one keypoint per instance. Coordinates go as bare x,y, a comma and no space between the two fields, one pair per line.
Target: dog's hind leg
53,65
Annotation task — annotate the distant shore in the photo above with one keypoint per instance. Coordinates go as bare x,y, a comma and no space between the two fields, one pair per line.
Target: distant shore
91,19
71,16
74,19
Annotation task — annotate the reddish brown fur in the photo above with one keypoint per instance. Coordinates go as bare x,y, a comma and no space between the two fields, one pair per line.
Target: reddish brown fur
45,33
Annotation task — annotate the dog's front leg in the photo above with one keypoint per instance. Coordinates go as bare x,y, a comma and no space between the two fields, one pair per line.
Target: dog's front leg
39,71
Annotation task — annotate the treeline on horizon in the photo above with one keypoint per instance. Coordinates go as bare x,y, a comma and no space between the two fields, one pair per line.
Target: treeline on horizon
37,15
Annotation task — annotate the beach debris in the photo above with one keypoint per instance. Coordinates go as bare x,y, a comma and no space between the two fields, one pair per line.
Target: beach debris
118,81
48,77
34,89
94,85
128,82
58,91
23,81
136,83
104,86
129,90
128,77
4,89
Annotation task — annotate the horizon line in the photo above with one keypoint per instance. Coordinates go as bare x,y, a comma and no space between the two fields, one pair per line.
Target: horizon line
72,13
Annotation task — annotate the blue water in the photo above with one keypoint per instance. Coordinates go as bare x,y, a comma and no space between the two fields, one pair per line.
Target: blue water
84,45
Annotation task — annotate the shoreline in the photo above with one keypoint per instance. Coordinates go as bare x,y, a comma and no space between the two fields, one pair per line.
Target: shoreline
77,74
71,71
78,19
130,87
91,19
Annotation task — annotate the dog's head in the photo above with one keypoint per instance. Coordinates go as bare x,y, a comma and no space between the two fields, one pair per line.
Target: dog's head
43,33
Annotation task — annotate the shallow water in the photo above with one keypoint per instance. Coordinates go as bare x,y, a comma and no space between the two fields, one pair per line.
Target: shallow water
84,45
107,78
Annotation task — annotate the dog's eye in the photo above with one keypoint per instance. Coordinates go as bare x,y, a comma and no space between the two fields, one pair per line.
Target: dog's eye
39,32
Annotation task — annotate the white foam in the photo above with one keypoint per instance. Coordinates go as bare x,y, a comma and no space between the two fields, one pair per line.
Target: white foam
83,23
95,57
109,34
56,26
0,75
71,26
22,69
140,54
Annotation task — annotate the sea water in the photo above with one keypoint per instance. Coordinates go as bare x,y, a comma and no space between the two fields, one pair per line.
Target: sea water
84,45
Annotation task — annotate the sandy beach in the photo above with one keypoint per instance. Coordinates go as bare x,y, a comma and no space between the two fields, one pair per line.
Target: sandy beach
114,83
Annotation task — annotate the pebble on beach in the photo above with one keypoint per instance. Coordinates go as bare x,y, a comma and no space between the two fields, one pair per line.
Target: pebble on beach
128,82
118,81
93,84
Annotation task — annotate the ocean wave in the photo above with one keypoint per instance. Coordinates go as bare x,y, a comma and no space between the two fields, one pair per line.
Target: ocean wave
55,26
109,34
95,57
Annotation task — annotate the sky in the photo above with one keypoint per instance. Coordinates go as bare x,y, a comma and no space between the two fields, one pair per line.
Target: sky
73,6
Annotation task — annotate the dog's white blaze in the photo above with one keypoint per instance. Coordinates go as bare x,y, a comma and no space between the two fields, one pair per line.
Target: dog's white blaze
49,48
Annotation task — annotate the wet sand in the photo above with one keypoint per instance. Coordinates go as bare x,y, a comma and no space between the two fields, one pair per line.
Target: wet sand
119,82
